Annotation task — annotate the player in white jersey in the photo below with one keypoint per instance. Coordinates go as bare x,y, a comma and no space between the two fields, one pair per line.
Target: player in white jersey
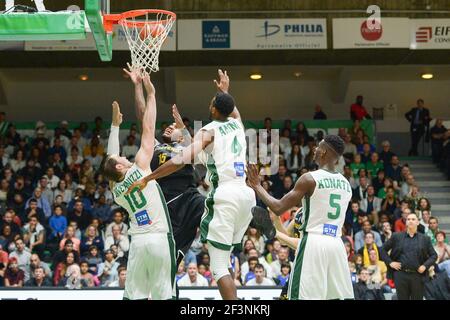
222,147
151,261
320,268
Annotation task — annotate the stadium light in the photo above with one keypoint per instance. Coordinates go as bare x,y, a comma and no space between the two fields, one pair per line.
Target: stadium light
256,76
427,76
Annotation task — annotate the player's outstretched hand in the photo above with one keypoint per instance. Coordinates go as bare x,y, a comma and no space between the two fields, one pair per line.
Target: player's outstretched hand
116,114
134,74
148,84
252,176
262,221
179,124
140,184
224,82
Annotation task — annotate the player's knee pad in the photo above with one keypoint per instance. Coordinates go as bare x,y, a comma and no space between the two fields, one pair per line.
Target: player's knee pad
219,262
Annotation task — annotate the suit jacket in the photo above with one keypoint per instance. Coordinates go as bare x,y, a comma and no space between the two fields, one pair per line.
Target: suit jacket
427,254
424,117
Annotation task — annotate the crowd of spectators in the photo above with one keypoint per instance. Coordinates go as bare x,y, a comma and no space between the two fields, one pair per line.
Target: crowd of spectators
60,227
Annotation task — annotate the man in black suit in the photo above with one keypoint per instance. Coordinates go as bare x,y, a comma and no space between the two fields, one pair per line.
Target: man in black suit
419,118
411,256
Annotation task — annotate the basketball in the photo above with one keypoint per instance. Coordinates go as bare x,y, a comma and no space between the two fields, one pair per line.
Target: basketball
151,30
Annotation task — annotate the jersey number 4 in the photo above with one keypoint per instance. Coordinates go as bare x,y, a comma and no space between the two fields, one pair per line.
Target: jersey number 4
334,198
136,200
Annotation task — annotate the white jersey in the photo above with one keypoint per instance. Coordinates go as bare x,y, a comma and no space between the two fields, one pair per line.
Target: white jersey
324,210
147,208
225,158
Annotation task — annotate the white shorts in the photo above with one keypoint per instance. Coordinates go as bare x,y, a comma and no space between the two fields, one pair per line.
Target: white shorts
151,267
320,270
227,215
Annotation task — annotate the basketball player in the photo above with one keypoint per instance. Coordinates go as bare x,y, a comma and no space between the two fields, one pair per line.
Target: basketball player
320,267
222,147
151,262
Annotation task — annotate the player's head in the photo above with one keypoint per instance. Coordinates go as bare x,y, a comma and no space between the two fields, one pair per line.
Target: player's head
222,105
329,151
114,167
172,134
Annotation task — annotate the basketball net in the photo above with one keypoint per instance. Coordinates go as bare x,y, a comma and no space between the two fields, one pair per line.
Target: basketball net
146,32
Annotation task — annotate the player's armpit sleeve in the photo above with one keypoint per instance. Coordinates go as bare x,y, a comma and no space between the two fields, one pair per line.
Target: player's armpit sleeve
113,141
187,139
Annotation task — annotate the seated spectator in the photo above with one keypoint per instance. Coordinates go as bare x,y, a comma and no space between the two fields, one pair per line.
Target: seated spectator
378,181
205,272
413,199
272,250
406,187
130,149
364,290
390,203
349,149
366,154
400,224
374,165
285,140
425,220
122,278
107,270
72,278
93,259
6,237
318,113
393,171
349,176
59,276
354,217
282,258
95,158
79,196
14,277
180,271
285,273
192,278
58,224
118,221
63,191
357,165
102,210
35,262
369,244
371,205
39,279
423,204
252,262
34,236
360,193
118,239
254,235
60,256
79,215
22,256
260,279
18,162
248,244
70,235
378,270
433,229
295,159
386,231
87,279
8,220
91,237
47,191
74,160
361,235
386,154
261,260
39,201
74,225
442,248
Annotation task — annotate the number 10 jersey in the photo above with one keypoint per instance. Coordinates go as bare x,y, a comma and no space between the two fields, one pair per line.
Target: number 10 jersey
147,208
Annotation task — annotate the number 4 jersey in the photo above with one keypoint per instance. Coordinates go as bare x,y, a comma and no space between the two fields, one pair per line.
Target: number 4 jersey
147,208
324,210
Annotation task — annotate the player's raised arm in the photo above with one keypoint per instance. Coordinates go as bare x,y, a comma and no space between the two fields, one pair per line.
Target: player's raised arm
113,139
179,124
145,153
304,186
139,100
201,140
223,85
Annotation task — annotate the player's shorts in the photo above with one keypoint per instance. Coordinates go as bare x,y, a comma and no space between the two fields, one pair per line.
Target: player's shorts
227,215
151,267
185,213
320,270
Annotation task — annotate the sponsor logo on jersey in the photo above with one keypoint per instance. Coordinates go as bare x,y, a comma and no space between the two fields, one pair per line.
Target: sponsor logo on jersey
239,167
142,218
330,230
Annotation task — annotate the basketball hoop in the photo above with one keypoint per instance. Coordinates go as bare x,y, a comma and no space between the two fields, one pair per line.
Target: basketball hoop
145,30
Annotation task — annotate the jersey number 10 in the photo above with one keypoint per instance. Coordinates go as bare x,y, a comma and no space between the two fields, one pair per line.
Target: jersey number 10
136,200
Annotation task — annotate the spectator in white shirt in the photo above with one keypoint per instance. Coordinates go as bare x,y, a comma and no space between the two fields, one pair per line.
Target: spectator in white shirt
283,257
120,282
260,279
118,239
53,179
245,267
117,220
192,278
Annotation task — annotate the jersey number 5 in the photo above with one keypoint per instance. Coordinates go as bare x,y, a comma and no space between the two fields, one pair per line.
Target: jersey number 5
335,205
136,200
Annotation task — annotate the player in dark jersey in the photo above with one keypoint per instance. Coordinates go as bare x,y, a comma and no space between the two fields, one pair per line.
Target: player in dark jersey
185,203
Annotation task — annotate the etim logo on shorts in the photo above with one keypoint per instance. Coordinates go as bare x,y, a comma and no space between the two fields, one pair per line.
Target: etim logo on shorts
216,34
371,34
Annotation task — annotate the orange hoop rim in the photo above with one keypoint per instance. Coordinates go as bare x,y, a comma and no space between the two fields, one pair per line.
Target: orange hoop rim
111,19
